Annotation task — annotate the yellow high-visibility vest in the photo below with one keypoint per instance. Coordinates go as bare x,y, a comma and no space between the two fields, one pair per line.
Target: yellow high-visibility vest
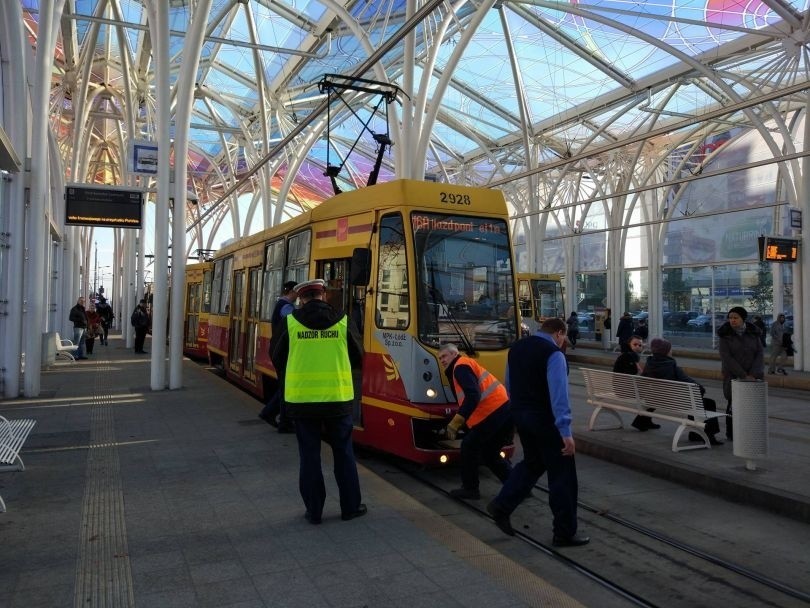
318,367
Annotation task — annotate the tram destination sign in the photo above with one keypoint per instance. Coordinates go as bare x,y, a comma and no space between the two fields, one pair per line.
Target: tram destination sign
103,206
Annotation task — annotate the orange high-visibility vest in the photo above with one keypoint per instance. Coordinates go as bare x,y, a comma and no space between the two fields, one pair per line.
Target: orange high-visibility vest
493,393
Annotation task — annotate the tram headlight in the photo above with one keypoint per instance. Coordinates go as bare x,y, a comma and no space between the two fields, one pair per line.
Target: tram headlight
443,458
431,394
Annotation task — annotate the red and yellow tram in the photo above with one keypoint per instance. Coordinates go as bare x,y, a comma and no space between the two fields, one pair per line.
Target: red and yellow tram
414,264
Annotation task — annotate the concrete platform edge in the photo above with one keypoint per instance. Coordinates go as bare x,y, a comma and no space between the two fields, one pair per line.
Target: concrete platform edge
746,492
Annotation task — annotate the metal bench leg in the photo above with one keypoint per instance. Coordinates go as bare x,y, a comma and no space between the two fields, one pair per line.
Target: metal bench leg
596,413
692,429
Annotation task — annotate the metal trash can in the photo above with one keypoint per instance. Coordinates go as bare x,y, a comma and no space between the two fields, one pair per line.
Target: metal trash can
749,399
48,348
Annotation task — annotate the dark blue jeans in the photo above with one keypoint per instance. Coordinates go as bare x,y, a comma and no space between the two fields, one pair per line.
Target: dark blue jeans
542,452
337,432
482,445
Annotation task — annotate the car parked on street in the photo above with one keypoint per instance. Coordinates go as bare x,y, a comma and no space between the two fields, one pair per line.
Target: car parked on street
704,322
679,319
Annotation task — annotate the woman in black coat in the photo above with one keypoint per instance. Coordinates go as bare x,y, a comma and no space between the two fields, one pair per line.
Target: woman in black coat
625,328
741,354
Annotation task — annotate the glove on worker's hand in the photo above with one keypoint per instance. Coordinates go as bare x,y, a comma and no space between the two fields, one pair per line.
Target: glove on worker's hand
454,426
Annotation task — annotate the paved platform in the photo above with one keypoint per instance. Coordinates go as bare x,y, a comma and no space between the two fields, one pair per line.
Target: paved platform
133,497
781,481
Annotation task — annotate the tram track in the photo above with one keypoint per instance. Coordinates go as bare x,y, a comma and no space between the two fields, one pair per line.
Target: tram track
711,558
790,594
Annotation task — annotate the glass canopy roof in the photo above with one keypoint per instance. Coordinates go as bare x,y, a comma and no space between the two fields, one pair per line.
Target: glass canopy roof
491,91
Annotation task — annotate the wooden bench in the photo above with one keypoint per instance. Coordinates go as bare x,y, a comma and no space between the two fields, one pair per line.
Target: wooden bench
13,434
673,401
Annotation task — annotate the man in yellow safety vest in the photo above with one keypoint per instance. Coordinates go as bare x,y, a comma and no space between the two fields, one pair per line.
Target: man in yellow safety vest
315,354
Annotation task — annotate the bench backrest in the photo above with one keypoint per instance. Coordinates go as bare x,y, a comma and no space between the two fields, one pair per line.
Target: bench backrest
59,344
681,398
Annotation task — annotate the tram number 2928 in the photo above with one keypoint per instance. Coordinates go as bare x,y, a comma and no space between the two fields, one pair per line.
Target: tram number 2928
455,199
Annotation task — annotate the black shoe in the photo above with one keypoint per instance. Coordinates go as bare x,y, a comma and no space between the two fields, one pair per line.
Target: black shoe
714,440
501,518
286,429
271,420
577,540
312,519
640,426
695,437
361,510
782,371
465,493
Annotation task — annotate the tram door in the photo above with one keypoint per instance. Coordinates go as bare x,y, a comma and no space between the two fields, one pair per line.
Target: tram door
193,293
254,298
235,359
339,295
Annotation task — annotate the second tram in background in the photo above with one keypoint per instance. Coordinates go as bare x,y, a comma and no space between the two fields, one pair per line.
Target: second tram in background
540,297
414,264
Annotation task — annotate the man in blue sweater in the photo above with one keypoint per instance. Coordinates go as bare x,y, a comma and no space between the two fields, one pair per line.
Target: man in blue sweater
537,380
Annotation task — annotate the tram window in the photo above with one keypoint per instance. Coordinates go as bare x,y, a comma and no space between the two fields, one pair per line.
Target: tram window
464,286
393,311
206,291
225,303
216,285
334,272
298,252
273,277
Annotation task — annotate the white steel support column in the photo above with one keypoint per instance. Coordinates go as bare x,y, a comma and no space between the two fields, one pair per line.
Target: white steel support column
129,295
185,101
801,278
38,242
15,120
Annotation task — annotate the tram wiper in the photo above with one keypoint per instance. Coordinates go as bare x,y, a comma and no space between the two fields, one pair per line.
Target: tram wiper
466,345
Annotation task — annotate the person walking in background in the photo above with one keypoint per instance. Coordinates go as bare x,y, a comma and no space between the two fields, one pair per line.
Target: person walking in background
606,324
763,330
78,316
778,350
741,355
484,408
316,351
537,383
625,328
140,321
93,328
661,365
642,331
273,413
573,329
105,311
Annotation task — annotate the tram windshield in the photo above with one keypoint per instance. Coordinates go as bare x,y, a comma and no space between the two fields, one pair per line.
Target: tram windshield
465,283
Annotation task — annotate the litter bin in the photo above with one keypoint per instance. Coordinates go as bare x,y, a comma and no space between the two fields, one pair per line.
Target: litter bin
749,400
48,349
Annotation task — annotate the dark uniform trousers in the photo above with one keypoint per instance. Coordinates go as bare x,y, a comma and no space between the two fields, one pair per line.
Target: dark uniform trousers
482,445
337,432
542,447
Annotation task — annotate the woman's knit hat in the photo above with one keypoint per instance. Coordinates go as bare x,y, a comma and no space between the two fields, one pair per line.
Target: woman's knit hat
740,311
660,346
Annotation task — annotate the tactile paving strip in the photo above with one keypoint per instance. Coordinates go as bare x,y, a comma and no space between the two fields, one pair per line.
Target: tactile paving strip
103,573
